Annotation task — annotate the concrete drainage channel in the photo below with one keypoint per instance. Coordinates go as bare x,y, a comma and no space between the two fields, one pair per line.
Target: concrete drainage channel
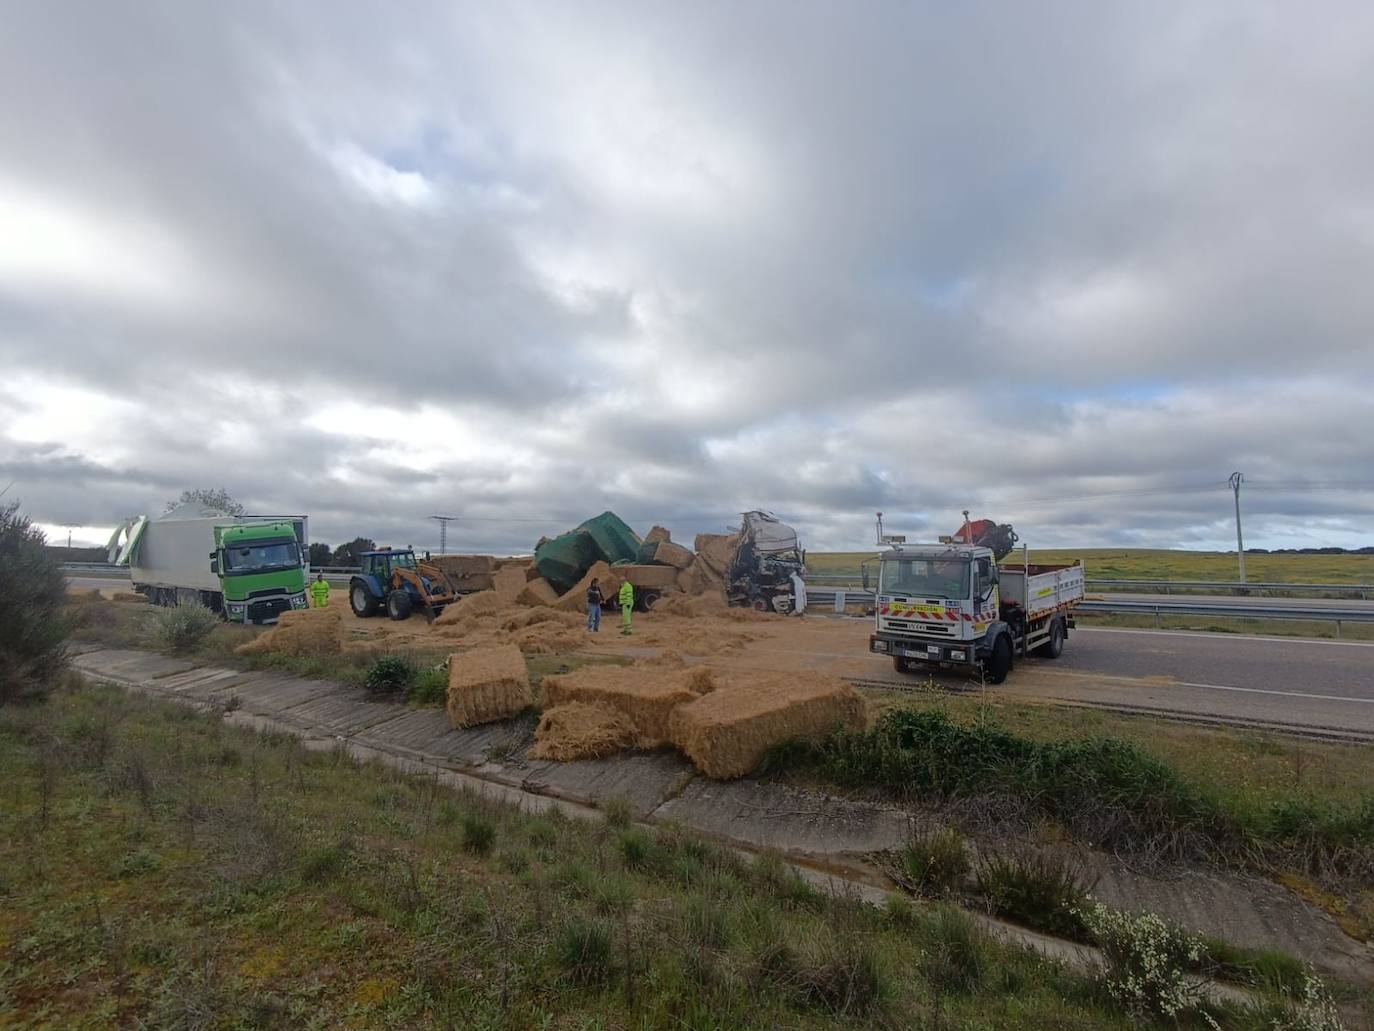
822,847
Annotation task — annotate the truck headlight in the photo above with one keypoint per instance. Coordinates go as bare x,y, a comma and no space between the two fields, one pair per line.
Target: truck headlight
298,601
958,654
237,607
880,646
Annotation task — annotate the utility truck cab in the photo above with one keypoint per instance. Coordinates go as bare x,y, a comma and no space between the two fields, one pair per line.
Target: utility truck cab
949,605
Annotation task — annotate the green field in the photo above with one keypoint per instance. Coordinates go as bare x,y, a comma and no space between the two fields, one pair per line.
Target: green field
1149,564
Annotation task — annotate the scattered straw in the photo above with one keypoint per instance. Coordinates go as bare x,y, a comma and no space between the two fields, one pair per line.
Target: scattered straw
301,632
581,730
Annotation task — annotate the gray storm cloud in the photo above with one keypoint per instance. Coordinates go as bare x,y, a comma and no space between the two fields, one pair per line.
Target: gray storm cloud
1068,264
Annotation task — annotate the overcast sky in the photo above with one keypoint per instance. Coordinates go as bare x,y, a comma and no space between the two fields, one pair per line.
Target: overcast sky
1066,265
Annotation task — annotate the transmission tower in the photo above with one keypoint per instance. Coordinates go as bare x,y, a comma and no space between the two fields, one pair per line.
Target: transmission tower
1236,480
443,522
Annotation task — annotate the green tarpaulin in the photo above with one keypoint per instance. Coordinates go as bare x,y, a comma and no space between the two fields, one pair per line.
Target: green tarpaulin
615,541
563,560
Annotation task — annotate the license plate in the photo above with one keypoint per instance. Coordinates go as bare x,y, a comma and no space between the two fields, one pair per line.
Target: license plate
933,651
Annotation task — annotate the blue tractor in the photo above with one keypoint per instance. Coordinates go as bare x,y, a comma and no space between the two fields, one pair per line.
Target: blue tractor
395,581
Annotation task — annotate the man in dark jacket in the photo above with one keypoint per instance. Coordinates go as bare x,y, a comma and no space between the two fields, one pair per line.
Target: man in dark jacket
594,601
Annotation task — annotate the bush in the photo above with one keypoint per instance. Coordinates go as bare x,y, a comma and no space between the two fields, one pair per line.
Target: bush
619,812
583,950
635,849
430,687
1147,961
180,627
957,958
1039,889
32,595
388,675
935,863
479,835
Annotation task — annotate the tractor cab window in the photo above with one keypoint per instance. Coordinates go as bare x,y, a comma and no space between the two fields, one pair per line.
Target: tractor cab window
404,559
378,565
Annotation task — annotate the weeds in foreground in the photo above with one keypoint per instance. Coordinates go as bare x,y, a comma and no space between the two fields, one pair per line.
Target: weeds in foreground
934,862
180,628
1035,887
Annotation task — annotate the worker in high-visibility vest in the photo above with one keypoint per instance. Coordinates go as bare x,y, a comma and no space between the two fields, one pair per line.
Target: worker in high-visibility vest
627,604
319,591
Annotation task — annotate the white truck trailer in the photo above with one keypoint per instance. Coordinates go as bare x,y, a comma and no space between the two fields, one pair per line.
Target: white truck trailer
950,606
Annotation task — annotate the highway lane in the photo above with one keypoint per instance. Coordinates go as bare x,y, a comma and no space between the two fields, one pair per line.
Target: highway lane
1319,687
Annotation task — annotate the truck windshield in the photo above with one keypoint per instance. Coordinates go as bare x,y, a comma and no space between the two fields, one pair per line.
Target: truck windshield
924,578
261,556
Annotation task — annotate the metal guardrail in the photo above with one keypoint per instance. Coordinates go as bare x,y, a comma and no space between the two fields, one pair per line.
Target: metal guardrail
839,598
1164,586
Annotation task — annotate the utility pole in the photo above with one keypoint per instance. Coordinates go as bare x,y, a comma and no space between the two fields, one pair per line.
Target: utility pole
443,522
1235,481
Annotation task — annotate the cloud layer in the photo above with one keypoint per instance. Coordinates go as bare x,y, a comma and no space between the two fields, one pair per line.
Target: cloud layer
1067,265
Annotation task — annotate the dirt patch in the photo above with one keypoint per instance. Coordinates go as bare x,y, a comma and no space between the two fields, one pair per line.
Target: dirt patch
726,732
582,730
487,684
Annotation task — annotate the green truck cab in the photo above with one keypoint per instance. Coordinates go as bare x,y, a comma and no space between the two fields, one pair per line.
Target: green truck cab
261,570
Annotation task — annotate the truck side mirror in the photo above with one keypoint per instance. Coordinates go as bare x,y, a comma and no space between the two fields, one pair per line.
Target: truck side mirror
214,564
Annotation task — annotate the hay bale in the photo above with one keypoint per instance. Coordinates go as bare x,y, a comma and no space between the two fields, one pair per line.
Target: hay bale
726,732
537,592
649,578
575,600
467,608
487,684
508,582
301,632
467,572
715,550
666,553
518,619
646,695
581,730
658,533
700,578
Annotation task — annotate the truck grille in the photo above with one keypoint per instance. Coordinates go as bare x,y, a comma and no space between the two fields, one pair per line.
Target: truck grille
907,626
267,611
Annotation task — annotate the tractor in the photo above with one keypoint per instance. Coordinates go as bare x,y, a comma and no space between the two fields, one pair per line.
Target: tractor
394,580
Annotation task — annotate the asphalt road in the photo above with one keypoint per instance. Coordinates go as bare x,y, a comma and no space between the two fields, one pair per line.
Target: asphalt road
1319,687
1246,601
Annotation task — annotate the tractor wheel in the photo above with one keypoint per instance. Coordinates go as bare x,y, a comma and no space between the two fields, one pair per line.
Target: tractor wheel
1054,647
398,604
997,665
361,601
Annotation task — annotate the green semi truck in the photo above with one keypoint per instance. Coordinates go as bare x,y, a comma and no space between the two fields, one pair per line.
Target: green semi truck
249,568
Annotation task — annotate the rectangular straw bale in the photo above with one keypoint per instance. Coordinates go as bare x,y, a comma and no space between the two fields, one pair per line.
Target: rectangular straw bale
647,695
658,533
465,565
537,592
715,550
581,730
656,578
509,581
726,732
487,684
700,579
669,554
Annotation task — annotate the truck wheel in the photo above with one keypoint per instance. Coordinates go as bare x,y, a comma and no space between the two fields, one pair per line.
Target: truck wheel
648,599
1054,647
759,603
997,665
361,601
900,664
398,604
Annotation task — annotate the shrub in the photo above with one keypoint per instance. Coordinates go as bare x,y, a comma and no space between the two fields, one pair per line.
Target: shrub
583,949
635,849
1312,1009
514,861
935,863
429,687
957,957
619,812
32,595
479,834
388,675
1147,961
181,627
1039,889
